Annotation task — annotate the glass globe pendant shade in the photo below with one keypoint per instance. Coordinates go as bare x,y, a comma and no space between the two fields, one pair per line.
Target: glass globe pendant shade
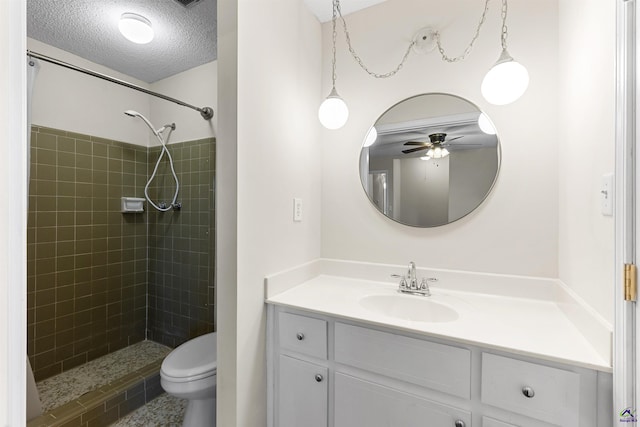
485,124
333,112
505,82
135,28
372,135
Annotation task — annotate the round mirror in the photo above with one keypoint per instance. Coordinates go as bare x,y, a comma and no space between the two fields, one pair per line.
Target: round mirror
430,160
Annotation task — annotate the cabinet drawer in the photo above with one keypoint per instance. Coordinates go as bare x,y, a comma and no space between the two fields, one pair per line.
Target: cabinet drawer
360,403
440,367
490,422
304,335
554,394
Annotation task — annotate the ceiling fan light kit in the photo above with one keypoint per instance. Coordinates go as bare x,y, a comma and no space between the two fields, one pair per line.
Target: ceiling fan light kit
436,146
506,81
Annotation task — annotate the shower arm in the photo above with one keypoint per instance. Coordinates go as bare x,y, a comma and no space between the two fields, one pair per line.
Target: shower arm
205,112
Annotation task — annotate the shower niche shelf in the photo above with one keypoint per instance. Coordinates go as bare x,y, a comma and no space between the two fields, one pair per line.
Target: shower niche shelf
132,205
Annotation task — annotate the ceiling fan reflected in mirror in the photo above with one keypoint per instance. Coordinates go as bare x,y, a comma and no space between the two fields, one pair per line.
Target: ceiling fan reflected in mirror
436,146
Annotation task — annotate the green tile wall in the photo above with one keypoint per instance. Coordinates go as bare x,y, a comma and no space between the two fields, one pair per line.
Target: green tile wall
87,262
98,279
181,245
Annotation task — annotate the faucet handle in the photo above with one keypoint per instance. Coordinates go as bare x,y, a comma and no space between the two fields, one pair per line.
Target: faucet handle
424,285
403,283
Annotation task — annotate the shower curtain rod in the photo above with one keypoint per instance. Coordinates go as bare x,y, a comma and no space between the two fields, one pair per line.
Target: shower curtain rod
205,112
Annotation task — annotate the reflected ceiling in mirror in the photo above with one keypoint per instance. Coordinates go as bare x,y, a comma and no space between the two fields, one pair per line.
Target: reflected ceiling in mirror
430,160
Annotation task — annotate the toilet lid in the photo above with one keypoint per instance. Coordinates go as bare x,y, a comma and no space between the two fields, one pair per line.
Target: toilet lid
196,357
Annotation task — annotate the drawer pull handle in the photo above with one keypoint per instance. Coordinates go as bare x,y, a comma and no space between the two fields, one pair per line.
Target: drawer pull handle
300,336
459,423
528,392
319,378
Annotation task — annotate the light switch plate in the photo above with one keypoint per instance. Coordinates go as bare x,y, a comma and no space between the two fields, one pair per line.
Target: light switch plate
606,194
297,209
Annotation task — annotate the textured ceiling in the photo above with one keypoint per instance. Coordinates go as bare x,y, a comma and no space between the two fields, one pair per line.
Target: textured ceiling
185,37
323,9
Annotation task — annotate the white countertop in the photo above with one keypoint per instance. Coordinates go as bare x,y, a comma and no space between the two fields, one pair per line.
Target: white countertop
527,326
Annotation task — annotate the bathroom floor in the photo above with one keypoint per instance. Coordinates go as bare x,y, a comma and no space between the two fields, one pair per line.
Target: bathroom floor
163,411
70,385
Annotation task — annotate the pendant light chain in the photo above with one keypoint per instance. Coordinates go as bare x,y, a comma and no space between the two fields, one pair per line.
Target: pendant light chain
353,52
503,36
475,37
337,11
335,36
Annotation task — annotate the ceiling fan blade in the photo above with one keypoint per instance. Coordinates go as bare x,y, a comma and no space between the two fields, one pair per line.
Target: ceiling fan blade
461,145
453,139
417,143
413,150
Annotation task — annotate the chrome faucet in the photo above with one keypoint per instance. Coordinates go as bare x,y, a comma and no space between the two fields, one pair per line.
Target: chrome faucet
411,274
409,283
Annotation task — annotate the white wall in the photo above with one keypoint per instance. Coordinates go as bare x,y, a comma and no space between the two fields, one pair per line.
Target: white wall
197,86
468,182
586,148
72,101
13,175
516,229
69,100
226,215
424,190
278,90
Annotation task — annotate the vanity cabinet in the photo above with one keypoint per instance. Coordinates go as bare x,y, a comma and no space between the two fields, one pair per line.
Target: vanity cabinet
331,372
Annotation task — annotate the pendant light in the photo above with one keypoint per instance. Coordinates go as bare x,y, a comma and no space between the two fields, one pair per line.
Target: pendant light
371,138
507,80
333,112
485,124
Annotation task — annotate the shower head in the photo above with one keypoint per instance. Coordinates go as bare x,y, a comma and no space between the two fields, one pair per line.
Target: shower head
136,114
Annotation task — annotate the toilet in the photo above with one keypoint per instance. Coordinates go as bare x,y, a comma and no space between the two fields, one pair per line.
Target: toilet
189,372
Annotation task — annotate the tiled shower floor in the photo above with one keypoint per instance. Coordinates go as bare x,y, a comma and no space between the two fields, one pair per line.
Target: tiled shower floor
164,410
70,385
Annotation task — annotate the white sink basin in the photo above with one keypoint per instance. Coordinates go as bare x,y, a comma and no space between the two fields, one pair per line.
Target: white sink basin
409,307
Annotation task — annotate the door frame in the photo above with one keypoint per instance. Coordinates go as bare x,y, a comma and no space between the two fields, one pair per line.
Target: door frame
627,238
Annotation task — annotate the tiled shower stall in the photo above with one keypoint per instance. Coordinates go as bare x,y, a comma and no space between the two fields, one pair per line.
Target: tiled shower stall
99,279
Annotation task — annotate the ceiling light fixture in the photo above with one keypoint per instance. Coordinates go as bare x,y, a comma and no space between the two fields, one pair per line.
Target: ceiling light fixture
437,152
136,28
505,82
